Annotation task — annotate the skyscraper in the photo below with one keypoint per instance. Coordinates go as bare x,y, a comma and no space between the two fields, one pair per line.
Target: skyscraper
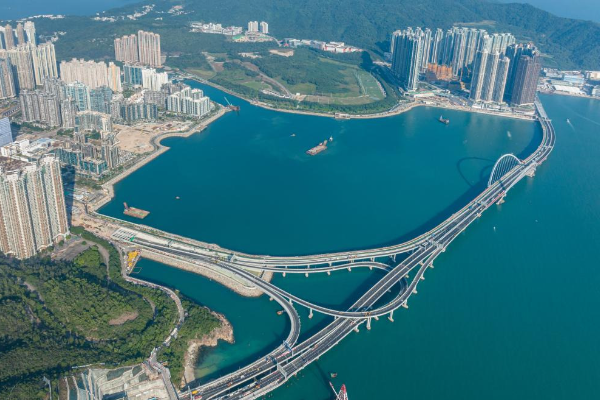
9,37
110,151
33,213
526,80
153,80
30,32
126,49
20,34
501,75
114,77
436,47
42,107
523,74
478,78
253,26
80,94
22,62
100,99
264,27
92,74
68,110
7,82
132,75
5,132
149,48
407,56
489,79
44,62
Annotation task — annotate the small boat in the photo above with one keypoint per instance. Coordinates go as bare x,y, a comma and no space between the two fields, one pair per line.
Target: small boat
333,374
568,121
330,138
177,197
293,135
279,312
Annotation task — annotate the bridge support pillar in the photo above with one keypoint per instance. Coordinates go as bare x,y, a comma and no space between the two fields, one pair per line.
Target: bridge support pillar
284,274
394,257
371,267
431,265
372,259
270,299
369,324
414,291
405,304
350,269
310,313
291,302
422,277
391,317
306,274
376,318
356,329
328,272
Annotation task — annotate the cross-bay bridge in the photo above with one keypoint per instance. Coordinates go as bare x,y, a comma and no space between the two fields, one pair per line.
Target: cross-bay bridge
267,373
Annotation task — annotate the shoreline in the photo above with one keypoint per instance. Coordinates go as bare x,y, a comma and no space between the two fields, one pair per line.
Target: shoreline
159,149
195,346
393,112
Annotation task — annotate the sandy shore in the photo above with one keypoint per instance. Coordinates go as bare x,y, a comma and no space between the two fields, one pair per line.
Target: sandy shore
224,332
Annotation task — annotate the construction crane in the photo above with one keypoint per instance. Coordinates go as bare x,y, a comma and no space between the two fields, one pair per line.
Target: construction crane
342,394
231,106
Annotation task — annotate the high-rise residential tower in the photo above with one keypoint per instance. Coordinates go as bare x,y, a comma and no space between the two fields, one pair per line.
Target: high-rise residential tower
126,49
92,74
7,81
253,26
407,57
30,32
22,62
44,62
523,74
9,37
149,48
20,34
33,212
264,28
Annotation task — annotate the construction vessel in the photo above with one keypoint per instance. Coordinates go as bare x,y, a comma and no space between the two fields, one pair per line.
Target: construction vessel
317,149
231,106
342,394
444,120
135,212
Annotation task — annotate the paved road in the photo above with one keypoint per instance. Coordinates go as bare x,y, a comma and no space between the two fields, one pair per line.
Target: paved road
281,364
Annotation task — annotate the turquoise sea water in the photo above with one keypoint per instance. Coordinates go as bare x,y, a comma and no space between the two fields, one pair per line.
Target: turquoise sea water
508,311
246,183
27,8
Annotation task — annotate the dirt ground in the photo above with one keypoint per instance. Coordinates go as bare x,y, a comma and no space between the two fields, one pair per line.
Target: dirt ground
136,139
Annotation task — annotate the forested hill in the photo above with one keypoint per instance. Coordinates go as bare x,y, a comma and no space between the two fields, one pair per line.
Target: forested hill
368,23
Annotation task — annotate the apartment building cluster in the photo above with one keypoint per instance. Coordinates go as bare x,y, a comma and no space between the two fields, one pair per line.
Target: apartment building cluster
33,213
255,27
497,69
332,47
216,28
23,63
143,48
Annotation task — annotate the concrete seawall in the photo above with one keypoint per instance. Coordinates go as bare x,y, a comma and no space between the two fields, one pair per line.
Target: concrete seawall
159,149
210,271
